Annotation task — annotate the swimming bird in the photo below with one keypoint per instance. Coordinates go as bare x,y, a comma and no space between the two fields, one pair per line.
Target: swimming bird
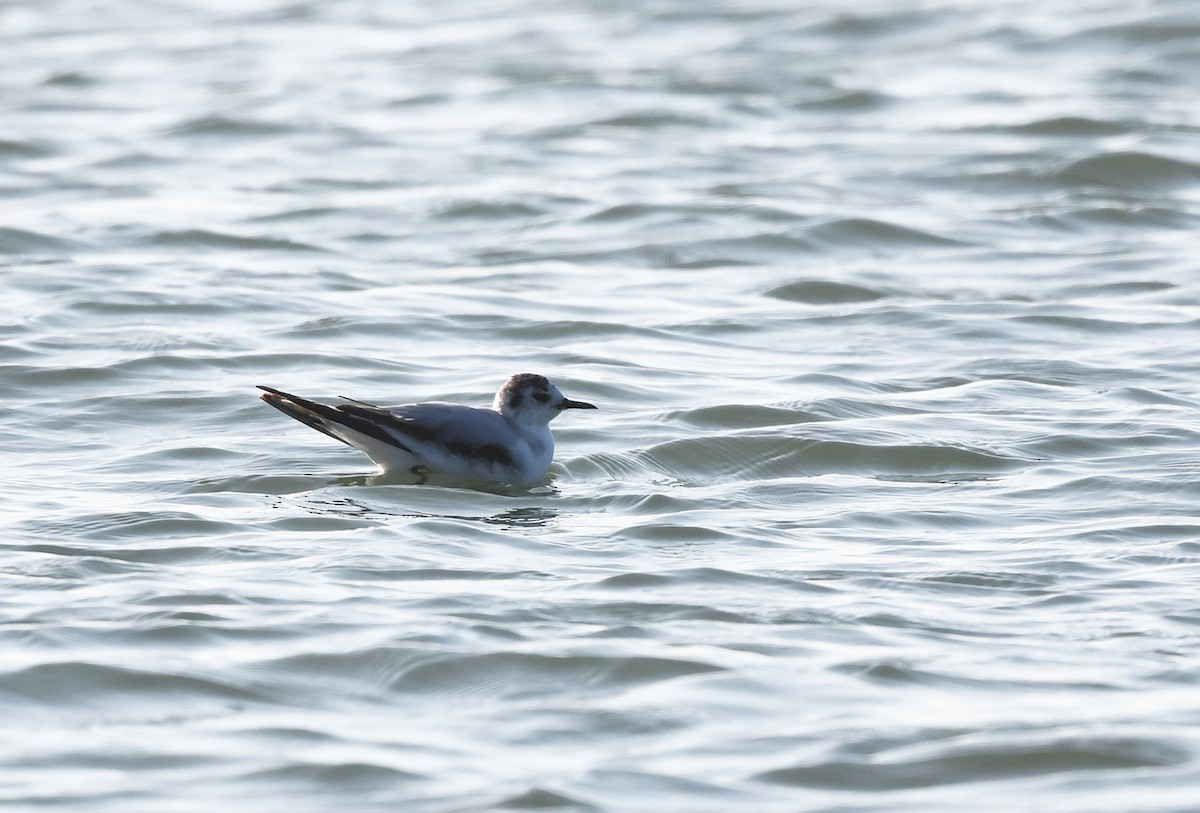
509,443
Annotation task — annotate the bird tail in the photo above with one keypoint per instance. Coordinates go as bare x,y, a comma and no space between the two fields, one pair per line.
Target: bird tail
321,417
361,426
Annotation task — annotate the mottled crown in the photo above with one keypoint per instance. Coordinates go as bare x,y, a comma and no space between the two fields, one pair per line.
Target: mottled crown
520,387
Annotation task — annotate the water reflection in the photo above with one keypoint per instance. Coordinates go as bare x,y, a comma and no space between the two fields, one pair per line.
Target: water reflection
402,478
530,516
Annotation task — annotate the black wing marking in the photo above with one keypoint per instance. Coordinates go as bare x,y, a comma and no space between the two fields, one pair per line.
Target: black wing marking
317,415
360,403
410,427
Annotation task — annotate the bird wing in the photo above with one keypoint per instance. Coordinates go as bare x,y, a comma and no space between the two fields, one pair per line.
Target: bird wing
437,430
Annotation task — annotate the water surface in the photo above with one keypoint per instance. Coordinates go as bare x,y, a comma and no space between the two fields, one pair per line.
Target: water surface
891,313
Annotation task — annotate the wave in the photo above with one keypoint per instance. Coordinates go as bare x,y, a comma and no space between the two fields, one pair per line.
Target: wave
204,238
1008,757
1130,170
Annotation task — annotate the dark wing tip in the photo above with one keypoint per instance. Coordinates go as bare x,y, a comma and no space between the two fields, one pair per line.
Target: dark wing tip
360,403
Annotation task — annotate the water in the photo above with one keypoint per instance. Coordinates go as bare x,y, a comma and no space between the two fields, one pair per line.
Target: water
891,310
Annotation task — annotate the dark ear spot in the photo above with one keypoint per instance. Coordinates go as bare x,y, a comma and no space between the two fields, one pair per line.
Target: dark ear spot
515,400
541,396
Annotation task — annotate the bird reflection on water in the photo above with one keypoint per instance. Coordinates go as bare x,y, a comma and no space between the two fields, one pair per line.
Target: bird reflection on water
530,516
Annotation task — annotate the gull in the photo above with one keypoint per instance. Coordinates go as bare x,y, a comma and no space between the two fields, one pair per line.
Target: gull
509,443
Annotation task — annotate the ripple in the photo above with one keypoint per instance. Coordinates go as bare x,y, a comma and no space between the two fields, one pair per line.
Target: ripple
1131,170
848,101
1005,759
543,799
857,231
359,777
23,149
743,416
824,292
1074,127
1110,217
521,674
18,241
650,119
755,456
202,238
224,126
71,79
487,210
71,684
148,524
298,214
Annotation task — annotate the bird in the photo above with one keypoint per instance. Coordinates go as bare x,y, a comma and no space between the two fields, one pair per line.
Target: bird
508,444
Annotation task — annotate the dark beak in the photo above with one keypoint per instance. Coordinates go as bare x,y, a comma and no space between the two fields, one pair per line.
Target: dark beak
569,404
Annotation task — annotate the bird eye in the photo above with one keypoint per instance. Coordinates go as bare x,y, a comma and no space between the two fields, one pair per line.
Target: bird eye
541,397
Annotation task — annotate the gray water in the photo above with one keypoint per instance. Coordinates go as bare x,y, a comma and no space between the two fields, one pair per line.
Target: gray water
892,312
